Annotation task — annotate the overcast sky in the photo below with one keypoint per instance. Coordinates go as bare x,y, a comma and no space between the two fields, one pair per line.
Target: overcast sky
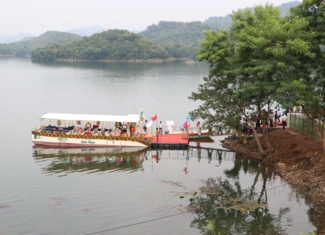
39,16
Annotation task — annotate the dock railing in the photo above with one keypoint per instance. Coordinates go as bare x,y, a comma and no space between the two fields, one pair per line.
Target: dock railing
175,130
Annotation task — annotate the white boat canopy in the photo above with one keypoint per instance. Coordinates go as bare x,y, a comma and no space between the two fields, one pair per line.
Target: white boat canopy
91,117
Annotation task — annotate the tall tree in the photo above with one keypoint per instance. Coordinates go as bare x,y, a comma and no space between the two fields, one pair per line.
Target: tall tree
307,89
250,62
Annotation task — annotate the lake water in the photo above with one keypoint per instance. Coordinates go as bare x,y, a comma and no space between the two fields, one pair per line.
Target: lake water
91,191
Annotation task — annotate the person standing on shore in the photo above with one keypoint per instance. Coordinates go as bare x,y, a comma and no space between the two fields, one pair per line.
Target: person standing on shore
279,115
284,121
160,127
198,124
145,126
157,134
275,118
271,117
199,130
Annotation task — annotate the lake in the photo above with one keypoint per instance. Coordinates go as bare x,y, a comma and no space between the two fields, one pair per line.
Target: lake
155,191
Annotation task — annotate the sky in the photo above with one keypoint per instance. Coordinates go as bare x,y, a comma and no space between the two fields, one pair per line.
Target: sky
39,16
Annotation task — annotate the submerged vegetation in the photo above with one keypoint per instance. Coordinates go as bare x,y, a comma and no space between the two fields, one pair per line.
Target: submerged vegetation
224,207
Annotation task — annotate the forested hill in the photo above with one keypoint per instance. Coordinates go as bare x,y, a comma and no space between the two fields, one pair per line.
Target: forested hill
188,33
218,22
175,39
182,39
108,45
25,48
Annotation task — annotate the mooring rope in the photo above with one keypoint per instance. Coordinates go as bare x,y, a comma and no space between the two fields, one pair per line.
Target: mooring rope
143,222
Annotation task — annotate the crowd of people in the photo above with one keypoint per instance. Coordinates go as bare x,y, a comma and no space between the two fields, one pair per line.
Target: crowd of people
271,119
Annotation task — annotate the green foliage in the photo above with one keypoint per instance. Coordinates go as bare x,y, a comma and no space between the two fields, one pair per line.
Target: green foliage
25,48
219,22
307,88
179,39
108,45
4,50
180,51
310,85
171,33
309,233
250,63
223,23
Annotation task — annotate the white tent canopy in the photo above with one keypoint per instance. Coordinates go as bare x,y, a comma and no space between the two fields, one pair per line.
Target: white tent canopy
90,117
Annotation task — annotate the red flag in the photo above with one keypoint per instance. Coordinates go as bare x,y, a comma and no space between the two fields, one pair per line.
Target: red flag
154,118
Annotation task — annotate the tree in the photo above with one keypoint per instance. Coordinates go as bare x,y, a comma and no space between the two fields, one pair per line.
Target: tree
249,64
307,89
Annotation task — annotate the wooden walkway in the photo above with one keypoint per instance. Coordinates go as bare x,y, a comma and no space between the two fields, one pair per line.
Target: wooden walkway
170,141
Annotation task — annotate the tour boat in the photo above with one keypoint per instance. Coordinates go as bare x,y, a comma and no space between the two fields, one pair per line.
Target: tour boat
86,130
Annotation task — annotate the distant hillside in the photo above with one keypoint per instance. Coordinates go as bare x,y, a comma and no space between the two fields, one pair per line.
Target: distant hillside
179,39
224,23
26,39
108,45
24,48
285,7
14,38
176,39
188,33
182,39
219,22
87,31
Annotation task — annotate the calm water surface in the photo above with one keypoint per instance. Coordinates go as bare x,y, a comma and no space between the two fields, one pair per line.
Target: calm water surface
95,191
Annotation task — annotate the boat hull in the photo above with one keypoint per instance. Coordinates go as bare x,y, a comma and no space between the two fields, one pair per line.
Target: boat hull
50,151
86,142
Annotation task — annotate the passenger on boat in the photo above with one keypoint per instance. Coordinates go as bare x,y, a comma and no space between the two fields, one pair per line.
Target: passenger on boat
132,130
88,132
124,129
116,133
140,133
95,132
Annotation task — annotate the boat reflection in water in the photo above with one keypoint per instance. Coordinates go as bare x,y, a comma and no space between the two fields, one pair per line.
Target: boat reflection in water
89,159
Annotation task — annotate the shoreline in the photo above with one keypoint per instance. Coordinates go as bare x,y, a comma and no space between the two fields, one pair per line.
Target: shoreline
151,61
297,158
